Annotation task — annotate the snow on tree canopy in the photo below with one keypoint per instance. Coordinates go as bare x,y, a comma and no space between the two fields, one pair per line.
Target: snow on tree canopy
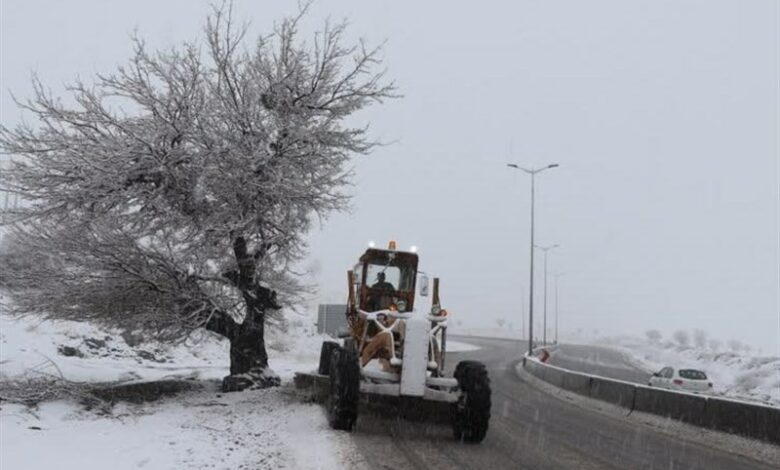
177,191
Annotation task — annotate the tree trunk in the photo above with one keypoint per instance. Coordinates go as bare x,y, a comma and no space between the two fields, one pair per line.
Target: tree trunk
247,350
248,356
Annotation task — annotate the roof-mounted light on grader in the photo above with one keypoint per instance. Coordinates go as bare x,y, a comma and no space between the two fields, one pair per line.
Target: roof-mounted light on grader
391,245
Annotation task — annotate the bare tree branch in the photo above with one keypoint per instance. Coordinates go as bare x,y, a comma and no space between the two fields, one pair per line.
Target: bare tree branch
181,167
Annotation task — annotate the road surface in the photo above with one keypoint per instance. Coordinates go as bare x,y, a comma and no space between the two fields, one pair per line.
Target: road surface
600,361
530,429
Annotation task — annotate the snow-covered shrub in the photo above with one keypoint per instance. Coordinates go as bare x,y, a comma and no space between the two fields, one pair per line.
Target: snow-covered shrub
682,338
700,338
738,346
653,335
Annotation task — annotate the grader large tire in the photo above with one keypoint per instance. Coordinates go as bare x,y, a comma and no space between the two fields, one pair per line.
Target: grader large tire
344,389
327,350
472,412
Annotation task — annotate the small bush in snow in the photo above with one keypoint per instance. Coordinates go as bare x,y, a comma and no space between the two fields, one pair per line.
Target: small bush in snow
653,335
738,346
682,338
700,338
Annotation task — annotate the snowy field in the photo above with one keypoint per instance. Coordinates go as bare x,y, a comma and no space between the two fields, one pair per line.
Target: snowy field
732,374
263,429
81,352
199,428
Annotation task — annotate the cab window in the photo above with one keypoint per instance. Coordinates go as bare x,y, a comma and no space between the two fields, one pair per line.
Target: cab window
400,277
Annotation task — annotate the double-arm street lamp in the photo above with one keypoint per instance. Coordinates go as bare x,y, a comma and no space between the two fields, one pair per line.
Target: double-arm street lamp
545,249
532,172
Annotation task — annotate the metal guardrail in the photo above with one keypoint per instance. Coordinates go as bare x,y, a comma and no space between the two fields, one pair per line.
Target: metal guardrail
748,419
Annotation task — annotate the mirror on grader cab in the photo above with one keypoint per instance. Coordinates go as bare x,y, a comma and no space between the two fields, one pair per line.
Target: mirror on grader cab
423,285
397,349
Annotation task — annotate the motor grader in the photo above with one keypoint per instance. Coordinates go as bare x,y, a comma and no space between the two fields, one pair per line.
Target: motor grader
393,349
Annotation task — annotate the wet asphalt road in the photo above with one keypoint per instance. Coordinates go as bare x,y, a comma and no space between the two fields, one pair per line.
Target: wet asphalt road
532,430
599,361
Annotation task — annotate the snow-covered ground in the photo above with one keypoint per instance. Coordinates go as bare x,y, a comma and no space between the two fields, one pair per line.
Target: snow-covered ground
734,375
199,428
82,352
263,429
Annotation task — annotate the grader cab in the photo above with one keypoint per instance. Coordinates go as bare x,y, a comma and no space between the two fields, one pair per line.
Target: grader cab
396,348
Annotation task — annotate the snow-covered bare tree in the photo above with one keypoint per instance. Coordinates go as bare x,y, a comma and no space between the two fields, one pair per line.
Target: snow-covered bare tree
653,335
700,338
176,192
735,345
682,338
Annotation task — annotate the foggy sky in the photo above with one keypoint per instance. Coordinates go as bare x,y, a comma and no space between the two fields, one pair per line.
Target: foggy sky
662,114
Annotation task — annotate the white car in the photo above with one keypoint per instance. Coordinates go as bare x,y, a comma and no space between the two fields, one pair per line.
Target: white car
687,380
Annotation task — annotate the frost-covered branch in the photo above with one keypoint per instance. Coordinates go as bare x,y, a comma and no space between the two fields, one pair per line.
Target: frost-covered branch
135,195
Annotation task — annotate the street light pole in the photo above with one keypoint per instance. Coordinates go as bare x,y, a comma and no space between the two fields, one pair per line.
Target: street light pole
531,287
556,310
556,276
522,314
544,328
532,172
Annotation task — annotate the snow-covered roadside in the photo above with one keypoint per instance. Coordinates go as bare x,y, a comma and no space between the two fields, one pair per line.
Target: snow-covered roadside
82,352
199,428
734,375
262,429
